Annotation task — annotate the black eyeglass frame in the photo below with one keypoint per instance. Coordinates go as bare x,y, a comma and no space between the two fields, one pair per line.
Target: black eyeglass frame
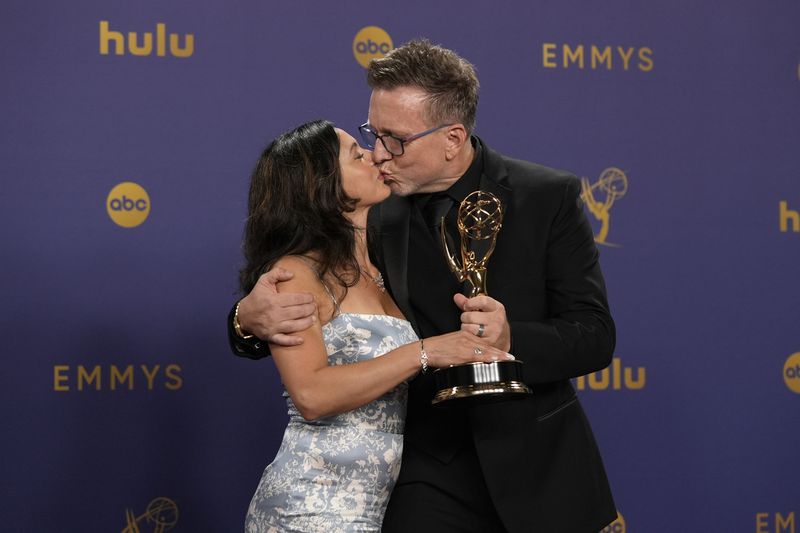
367,133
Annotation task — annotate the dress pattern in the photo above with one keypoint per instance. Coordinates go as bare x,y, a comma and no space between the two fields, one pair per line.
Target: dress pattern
336,473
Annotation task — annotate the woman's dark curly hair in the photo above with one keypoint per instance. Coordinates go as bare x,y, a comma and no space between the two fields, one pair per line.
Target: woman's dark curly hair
297,204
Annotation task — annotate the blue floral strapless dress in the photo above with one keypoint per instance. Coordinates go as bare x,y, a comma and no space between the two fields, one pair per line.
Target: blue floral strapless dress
336,473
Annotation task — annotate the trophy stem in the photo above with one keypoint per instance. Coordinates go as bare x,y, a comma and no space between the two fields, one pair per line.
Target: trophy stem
477,279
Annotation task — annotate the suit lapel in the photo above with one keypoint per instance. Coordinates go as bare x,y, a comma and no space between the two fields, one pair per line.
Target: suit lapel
394,221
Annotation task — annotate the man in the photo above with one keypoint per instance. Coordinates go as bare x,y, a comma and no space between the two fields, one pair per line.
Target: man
528,465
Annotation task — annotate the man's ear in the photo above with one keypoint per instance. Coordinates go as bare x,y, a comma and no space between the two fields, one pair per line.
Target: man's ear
456,138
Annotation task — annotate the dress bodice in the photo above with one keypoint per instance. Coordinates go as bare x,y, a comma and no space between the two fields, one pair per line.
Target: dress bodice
353,337
336,473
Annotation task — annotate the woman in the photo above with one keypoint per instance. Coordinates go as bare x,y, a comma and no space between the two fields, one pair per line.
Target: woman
340,455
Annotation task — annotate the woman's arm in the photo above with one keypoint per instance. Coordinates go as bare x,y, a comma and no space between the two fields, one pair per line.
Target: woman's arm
320,390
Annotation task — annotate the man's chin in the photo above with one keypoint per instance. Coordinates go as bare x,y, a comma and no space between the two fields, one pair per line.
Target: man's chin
398,190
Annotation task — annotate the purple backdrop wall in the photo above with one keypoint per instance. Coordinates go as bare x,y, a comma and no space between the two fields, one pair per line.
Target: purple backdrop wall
120,397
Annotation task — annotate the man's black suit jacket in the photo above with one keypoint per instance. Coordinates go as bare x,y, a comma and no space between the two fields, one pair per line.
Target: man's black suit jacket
538,455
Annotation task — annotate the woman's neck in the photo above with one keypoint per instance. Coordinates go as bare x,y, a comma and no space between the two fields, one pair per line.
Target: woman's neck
361,249
359,221
358,218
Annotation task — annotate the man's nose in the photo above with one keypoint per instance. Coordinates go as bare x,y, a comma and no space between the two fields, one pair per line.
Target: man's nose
380,153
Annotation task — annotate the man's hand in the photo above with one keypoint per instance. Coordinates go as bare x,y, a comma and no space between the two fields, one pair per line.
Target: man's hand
485,317
274,316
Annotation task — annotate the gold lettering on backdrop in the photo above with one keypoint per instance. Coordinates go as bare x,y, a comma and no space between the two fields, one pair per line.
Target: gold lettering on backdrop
782,524
786,215
161,32
141,44
140,50
150,376
616,377
117,377
549,55
625,54
594,56
604,58
173,373
59,378
761,522
777,523
93,377
106,36
571,56
599,380
645,59
176,50
634,384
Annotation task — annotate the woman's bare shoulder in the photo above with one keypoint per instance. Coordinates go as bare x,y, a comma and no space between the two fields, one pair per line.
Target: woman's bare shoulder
306,279
304,271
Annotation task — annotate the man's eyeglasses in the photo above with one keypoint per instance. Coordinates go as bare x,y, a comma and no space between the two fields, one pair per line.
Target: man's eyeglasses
394,145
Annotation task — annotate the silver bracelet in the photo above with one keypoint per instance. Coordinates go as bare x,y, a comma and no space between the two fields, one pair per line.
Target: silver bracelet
423,357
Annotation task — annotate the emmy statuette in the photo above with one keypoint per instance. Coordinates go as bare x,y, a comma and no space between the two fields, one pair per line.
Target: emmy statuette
480,217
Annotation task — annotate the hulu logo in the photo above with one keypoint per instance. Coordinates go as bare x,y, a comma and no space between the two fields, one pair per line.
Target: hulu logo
142,45
616,378
789,218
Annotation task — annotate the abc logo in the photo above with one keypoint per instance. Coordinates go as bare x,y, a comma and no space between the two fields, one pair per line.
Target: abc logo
617,526
128,204
791,372
371,42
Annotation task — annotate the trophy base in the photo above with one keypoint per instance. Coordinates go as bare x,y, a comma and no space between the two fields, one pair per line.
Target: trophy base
480,383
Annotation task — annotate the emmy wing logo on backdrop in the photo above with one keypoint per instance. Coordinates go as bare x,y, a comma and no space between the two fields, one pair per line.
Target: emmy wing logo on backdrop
161,515
617,526
371,42
600,197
